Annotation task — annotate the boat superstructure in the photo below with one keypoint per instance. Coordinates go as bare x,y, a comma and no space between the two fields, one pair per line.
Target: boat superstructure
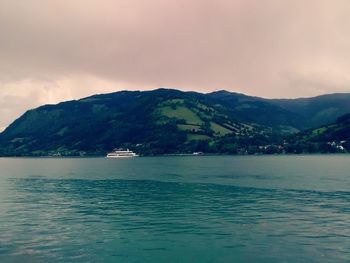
121,153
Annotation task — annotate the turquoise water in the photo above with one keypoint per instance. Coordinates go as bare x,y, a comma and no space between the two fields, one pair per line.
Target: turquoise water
176,209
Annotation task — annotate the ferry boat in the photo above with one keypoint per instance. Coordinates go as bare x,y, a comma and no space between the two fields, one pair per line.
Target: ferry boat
120,153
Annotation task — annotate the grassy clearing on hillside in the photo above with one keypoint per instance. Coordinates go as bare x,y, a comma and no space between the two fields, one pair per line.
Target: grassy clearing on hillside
218,129
287,129
204,115
232,127
204,107
318,131
188,127
182,112
197,137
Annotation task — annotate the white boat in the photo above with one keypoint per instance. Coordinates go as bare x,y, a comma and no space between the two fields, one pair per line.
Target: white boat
120,153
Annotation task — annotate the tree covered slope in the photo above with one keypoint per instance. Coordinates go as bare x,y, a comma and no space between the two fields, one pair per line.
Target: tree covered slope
168,121
152,122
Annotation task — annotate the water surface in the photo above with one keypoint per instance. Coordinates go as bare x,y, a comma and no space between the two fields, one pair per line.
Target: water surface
176,209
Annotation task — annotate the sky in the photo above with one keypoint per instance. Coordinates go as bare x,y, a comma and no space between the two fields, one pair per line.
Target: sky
56,50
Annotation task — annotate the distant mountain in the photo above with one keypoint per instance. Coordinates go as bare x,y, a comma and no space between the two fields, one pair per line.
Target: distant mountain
318,110
297,113
334,137
258,110
167,121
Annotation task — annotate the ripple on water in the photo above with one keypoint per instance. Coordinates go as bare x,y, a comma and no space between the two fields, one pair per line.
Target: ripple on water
77,219
45,219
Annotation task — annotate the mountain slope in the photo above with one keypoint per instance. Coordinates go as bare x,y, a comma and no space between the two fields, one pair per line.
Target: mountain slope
170,121
318,110
258,110
153,122
331,138
300,113
337,132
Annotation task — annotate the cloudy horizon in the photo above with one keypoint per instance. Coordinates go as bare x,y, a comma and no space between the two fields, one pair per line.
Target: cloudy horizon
56,50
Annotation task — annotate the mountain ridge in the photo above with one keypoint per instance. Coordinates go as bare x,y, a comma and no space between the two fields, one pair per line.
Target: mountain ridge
164,121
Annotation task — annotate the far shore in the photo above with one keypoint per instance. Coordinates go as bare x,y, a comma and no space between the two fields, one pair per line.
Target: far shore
168,155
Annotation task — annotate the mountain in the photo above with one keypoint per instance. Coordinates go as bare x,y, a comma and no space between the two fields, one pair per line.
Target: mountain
151,122
167,121
258,110
318,110
299,113
334,137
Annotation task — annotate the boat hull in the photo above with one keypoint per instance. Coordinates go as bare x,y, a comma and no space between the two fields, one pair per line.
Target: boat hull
120,153
121,156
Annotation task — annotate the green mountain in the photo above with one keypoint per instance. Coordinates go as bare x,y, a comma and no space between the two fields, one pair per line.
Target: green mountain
258,110
299,113
334,137
150,122
167,121
318,110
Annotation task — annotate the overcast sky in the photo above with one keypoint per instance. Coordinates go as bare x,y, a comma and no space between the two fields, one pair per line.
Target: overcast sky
58,50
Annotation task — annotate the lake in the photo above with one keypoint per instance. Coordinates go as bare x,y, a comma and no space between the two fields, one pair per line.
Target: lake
176,209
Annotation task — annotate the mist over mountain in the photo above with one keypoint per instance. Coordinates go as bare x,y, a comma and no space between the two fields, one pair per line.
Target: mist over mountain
167,121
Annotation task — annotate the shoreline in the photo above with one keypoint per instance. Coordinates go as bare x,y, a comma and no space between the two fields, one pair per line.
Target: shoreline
168,155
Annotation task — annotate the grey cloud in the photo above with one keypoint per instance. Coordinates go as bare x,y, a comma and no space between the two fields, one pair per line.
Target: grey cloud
257,47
